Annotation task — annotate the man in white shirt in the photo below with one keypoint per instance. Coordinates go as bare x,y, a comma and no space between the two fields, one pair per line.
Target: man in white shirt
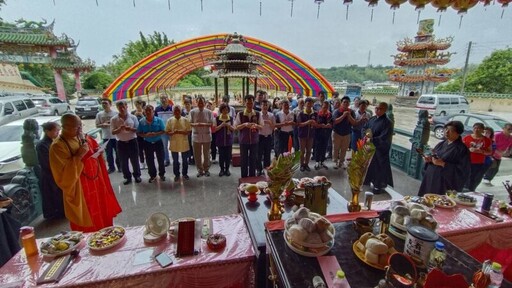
265,141
201,120
124,127
286,121
103,122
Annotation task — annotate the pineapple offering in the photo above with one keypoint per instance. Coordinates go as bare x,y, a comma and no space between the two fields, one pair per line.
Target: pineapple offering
280,173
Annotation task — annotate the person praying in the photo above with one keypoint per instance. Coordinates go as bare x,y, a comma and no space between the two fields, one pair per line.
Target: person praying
89,200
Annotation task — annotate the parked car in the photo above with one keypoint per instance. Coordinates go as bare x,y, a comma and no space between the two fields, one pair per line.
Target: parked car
468,120
10,144
16,107
443,104
50,105
88,107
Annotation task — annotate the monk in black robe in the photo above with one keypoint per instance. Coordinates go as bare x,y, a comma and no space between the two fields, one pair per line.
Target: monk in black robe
379,172
448,167
9,230
53,204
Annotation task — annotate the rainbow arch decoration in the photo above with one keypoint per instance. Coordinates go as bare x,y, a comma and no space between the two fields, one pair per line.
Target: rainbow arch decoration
164,68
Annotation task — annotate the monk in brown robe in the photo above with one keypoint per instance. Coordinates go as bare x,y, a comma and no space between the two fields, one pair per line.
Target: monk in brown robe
89,200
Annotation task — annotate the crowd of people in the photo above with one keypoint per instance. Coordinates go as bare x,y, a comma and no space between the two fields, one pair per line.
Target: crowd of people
75,179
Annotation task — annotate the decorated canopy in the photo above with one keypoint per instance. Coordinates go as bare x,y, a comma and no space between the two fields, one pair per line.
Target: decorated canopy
164,68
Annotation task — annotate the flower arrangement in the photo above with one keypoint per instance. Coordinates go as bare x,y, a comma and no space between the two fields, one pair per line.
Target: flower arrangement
358,167
280,173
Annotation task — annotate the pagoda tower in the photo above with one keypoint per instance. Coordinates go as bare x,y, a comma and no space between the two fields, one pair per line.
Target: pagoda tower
235,61
417,64
33,43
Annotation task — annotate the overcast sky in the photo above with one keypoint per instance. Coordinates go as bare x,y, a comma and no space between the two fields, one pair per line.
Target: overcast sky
328,41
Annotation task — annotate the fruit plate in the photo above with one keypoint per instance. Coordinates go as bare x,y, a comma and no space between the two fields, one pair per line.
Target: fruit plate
106,238
360,254
262,185
462,199
242,186
73,240
465,203
305,251
441,201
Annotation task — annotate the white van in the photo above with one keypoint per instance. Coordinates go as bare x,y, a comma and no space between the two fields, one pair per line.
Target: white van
443,104
16,107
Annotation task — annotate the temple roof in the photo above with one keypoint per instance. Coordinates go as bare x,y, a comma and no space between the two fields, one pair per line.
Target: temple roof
32,33
41,39
69,60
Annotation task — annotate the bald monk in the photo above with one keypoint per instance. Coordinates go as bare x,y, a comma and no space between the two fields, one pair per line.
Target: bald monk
89,200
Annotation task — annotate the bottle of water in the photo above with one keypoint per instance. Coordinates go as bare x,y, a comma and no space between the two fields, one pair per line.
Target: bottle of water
496,275
340,281
437,257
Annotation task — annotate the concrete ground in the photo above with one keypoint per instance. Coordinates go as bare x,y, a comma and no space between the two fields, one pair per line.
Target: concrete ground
214,195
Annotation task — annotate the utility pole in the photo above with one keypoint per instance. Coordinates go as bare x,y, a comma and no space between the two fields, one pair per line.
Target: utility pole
464,74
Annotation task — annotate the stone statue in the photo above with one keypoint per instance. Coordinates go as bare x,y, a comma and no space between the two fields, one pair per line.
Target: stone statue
29,140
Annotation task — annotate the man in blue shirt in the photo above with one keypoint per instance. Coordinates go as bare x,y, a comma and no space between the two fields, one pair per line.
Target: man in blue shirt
151,129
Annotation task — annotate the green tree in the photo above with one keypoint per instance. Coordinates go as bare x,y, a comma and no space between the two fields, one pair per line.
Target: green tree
135,51
355,74
98,80
493,75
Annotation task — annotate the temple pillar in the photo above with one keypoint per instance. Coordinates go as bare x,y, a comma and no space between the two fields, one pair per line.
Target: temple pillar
226,86
215,82
78,85
255,86
61,92
243,87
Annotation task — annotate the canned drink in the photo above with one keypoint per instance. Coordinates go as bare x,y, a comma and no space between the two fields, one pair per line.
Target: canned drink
486,204
419,242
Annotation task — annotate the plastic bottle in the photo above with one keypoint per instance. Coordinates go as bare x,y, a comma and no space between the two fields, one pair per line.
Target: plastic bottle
340,281
28,240
437,256
496,275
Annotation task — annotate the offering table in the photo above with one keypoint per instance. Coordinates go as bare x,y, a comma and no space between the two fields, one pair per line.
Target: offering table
231,267
255,216
294,270
480,236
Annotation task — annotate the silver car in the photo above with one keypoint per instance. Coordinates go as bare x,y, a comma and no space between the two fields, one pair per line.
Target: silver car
10,145
51,105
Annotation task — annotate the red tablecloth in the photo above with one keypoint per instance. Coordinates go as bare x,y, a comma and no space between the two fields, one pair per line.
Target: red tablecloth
480,236
232,267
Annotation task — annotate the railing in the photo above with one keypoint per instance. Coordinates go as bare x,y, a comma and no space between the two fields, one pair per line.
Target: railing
402,157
